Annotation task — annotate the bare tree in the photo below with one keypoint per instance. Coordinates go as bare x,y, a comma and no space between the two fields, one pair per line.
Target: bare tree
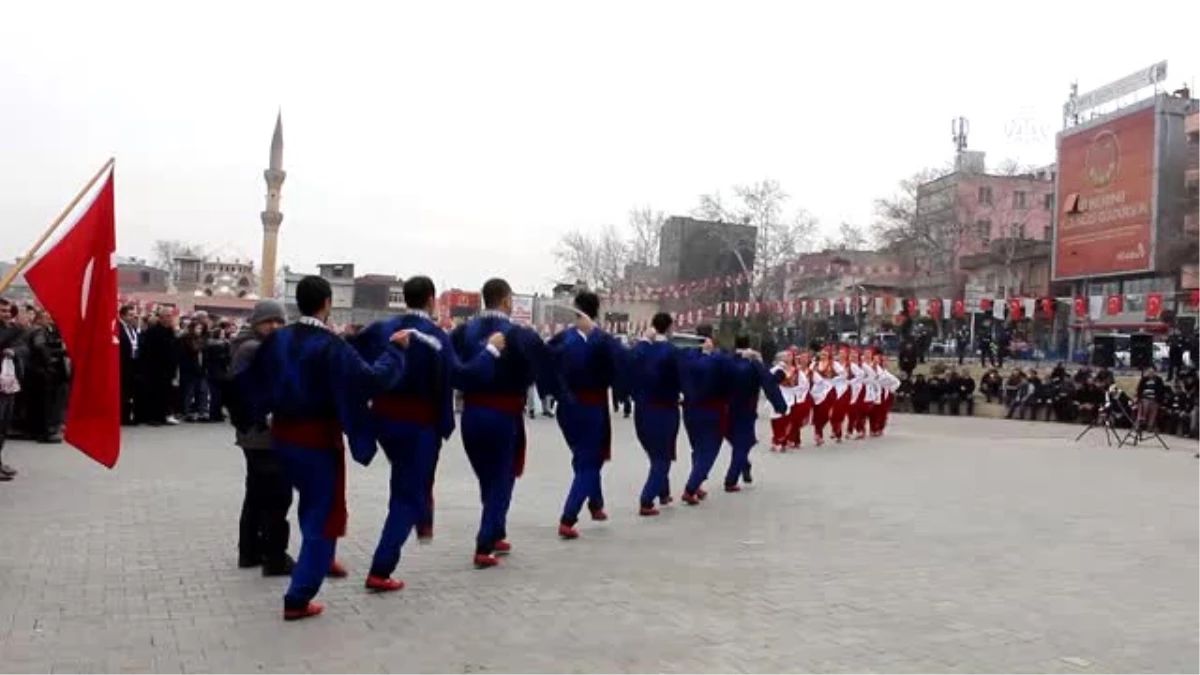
596,259
850,237
778,238
921,222
167,250
645,228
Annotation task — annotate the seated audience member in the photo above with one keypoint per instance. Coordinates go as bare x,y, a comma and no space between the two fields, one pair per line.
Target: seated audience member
992,386
1012,385
1043,396
1089,399
960,393
904,393
1065,405
1104,379
1023,398
921,395
1059,372
937,391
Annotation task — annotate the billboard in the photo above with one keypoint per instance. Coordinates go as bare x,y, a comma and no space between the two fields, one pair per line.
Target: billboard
522,309
455,304
1106,198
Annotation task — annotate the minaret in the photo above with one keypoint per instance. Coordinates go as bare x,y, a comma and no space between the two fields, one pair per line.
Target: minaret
272,218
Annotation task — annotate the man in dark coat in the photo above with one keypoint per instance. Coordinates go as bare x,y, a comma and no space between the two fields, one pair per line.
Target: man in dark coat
159,356
127,334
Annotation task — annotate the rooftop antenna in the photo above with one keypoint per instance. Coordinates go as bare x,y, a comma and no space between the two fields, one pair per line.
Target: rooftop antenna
959,128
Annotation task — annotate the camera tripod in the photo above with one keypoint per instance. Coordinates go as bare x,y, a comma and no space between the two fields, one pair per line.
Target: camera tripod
1104,418
1137,433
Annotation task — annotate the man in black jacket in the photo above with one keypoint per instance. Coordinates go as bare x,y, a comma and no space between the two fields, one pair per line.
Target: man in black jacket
1151,391
127,334
159,357
12,338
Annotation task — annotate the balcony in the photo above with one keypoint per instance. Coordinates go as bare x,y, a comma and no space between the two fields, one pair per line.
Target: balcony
1191,124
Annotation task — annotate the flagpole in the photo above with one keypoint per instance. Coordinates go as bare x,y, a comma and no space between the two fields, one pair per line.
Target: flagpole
16,269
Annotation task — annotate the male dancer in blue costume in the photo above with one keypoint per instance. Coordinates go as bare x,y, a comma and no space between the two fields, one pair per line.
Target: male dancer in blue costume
704,378
654,375
312,386
589,362
747,375
413,418
493,423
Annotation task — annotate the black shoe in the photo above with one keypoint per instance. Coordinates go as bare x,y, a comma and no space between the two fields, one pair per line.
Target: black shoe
6,470
746,477
4,478
54,438
280,568
247,561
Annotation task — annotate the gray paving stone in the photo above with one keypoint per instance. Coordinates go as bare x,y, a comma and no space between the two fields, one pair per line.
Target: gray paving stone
950,545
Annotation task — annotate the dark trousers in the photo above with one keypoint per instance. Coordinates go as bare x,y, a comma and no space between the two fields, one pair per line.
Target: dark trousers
8,403
412,450
216,400
264,531
129,389
155,399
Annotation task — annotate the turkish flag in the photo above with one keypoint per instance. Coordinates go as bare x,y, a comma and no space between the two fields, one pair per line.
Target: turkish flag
77,284
1014,309
1048,307
985,304
910,307
1194,299
960,309
1114,304
935,308
1081,306
1153,305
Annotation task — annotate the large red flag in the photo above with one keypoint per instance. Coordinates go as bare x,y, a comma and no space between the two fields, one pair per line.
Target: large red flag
77,283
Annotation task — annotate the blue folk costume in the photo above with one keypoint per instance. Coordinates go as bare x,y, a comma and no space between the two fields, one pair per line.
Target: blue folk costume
704,379
746,378
313,387
587,365
493,421
410,420
654,380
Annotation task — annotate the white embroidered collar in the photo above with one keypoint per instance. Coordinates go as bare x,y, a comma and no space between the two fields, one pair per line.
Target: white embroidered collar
312,321
659,337
420,313
493,313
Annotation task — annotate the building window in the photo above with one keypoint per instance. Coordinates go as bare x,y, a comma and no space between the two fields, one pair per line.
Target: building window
1048,202
985,194
983,230
1047,233
1018,230
145,277
1018,199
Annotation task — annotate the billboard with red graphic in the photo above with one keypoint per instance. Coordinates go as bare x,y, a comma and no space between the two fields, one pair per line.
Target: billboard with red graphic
1106,198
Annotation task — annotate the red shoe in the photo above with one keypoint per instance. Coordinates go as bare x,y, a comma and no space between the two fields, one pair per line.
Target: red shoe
820,441
776,448
337,571
313,609
783,448
666,500
501,547
485,560
567,531
424,534
648,511
383,584
701,494
861,436
733,488
690,499
599,515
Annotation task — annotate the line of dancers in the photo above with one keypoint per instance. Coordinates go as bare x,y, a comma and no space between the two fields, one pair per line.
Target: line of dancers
851,394
392,388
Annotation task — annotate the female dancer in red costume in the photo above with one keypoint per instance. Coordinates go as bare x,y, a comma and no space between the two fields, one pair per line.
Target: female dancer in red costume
802,397
822,393
888,383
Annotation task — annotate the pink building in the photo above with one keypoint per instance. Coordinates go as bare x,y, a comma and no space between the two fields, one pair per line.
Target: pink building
971,213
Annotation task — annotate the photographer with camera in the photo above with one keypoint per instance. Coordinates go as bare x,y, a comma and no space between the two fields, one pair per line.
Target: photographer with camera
1151,391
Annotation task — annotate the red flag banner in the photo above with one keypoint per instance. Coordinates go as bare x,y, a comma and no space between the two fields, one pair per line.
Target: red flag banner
1014,309
1115,304
76,282
1193,299
910,307
1154,305
935,308
960,309
1048,307
1081,306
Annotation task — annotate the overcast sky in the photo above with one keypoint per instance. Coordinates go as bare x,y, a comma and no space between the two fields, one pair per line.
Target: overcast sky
460,139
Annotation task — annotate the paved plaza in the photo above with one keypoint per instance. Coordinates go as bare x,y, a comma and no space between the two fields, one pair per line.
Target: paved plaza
953,544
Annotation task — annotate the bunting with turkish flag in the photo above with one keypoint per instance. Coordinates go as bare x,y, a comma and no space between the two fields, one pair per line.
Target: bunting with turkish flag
1081,306
1153,305
1048,305
960,308
77,284
1115,304
935,308
1014,309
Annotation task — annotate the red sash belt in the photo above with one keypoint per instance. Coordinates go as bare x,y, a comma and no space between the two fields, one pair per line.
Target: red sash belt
404,408
591,396
313,434
512,404
320,435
